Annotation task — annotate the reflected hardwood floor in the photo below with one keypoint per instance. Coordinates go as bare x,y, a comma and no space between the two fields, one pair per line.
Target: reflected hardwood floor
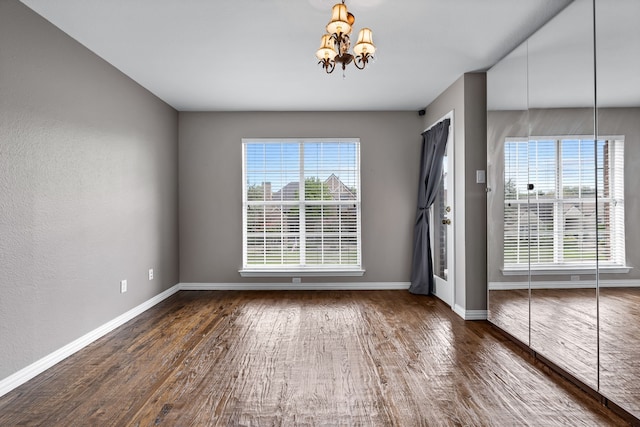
620,346
509,310
332,358
563,329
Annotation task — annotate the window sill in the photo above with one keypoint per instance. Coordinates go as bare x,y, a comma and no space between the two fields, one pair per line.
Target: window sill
558,270
290,272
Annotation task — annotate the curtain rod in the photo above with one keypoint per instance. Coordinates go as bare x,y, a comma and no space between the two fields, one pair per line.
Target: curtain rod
449,115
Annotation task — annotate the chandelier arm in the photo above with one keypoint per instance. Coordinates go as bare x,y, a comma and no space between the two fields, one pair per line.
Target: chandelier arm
361,59
327,64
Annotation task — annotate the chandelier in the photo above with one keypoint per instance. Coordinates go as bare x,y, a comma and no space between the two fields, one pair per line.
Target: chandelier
334,46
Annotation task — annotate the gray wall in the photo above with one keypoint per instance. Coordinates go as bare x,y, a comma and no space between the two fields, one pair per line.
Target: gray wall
467,97
211,187
88,190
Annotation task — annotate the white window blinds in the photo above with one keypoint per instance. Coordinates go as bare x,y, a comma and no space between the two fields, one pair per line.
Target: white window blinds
563,202
301,204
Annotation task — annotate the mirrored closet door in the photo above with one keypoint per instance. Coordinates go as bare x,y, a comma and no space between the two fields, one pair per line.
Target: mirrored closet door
618,129
563,125
508,130
562,193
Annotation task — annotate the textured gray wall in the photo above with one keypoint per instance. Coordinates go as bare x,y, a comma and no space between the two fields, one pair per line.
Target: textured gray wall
467,98
211,187
88,190
475,123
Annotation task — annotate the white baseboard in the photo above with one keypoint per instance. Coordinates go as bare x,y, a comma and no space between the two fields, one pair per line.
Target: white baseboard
338,286
470,314
475,315
39,366
566,284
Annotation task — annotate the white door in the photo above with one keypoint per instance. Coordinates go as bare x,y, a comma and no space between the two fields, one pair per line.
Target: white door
442,227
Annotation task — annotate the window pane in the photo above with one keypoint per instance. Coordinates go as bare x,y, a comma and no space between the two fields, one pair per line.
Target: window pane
274,220
556,223
331,171
289,191
314,219
515,237
543,169
541,229
327,232
314,250
273,250
255,218
578,168
579,236
348,218
291,218
349,249
331,249
516,170
255,250
272,171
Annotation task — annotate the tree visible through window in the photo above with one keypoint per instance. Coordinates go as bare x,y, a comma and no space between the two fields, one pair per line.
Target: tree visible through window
316,226
563,202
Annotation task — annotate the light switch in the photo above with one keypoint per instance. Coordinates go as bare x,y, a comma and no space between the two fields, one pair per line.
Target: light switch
480,177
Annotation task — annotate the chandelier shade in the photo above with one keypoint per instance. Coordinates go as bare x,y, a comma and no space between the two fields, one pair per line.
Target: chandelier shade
335,45
364,44
339,20
327,49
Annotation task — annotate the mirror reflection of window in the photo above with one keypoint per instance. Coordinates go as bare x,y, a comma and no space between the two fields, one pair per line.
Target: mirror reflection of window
552,224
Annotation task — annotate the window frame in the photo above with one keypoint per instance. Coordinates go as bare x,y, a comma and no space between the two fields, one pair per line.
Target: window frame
302,269
617,261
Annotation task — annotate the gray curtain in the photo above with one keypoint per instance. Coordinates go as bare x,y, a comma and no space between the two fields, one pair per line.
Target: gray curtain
434,144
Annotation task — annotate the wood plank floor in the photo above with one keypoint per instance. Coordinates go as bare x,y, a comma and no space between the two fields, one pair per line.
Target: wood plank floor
332,358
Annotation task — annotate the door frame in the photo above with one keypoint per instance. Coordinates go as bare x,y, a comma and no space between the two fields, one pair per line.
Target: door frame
448,289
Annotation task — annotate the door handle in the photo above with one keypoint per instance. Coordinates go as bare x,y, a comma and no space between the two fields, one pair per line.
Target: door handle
446,221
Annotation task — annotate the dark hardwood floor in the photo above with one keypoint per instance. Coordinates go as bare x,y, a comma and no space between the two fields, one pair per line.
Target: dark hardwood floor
332,358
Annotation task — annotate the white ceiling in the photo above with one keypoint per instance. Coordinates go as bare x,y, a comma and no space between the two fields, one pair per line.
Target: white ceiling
258,55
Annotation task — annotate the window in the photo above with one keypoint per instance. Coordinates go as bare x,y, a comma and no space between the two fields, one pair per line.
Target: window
289,227
552,223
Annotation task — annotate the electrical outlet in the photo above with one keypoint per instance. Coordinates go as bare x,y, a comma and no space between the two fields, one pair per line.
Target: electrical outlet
151,274
123,286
